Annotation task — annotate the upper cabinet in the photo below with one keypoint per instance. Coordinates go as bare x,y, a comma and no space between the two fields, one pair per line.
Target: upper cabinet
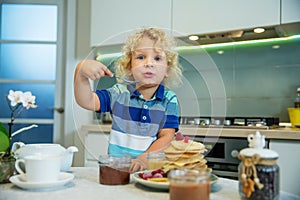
290,11
113,20
211,16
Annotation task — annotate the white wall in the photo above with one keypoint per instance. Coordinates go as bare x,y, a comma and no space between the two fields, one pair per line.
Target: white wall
74,115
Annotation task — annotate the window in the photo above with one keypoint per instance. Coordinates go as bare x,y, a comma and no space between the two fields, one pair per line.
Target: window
30,39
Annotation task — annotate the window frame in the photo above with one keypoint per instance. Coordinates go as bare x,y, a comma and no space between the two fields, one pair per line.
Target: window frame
59,83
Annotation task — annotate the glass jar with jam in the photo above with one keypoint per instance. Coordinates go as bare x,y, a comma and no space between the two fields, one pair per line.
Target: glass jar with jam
155,160
114,169
258,171
189,184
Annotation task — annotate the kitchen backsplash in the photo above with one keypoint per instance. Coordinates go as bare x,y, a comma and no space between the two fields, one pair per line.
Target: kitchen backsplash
238,80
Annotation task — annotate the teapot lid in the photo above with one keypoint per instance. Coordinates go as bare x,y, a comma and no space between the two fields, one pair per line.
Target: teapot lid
256,146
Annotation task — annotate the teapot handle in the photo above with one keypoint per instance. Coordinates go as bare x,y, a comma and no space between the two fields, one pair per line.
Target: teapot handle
16,146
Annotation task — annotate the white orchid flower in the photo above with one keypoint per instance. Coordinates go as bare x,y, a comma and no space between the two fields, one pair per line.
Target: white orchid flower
14,100
14,97
28,100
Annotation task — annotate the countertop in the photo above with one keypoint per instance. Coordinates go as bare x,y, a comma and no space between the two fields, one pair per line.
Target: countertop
86,186
285,133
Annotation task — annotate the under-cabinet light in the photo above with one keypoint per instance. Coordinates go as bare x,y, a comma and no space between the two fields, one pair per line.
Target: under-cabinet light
193,37
259,30
247,42
208,46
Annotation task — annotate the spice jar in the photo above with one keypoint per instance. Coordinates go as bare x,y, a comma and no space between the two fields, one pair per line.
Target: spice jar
258,171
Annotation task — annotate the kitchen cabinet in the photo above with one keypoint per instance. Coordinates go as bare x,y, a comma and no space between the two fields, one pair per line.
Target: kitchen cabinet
113,20
288,163
96,145
92,141
290,11
211,16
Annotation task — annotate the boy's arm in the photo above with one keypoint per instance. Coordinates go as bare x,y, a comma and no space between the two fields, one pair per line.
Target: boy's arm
85,70
165,137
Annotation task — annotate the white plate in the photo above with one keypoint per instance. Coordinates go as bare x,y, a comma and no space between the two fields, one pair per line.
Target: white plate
18,180
162,185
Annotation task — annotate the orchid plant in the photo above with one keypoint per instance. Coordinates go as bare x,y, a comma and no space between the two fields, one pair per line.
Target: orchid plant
17,101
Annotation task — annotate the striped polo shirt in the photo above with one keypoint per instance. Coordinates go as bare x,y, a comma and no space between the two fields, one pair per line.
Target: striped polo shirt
136,121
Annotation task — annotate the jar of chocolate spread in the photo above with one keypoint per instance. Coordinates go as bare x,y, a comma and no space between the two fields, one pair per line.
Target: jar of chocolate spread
114,169
258,171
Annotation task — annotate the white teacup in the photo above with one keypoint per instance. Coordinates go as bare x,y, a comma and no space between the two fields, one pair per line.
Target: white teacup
40,168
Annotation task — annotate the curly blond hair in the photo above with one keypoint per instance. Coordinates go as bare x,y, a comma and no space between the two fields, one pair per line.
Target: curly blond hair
165,43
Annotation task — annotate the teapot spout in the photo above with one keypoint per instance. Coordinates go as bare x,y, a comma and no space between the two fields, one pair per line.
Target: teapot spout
72,149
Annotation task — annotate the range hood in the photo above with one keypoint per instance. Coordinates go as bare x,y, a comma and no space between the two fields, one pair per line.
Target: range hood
278,31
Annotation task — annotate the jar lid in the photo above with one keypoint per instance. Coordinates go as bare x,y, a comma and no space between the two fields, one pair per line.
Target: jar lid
263,153
114,160
256,146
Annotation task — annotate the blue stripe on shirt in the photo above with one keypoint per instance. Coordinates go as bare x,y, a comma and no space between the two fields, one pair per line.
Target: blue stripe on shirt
104,98
118,150
136,114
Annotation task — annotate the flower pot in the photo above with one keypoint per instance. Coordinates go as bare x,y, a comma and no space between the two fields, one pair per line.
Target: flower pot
7,169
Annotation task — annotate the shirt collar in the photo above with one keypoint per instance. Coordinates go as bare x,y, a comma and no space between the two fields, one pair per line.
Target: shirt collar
159,94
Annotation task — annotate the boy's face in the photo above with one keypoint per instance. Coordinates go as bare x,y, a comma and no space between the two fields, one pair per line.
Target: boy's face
148,66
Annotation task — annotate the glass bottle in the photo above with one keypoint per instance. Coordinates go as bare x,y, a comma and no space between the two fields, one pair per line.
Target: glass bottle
258,171
297,99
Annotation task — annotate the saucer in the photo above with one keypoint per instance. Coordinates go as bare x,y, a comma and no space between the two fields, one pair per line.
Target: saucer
18,180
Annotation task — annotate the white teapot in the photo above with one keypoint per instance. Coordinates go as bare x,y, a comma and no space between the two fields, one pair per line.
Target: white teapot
256,141
21,150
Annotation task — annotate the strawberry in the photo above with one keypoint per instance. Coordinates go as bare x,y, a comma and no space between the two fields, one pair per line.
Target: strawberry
147,175
179,136
158,175
156,171
186,139
140,175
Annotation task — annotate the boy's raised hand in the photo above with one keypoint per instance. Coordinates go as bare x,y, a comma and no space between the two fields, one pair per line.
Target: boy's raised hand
93,69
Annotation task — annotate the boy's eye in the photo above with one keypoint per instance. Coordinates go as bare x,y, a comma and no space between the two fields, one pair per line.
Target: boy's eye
158,58
140,57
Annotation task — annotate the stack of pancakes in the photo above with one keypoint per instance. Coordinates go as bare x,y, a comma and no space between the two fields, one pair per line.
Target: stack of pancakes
185,154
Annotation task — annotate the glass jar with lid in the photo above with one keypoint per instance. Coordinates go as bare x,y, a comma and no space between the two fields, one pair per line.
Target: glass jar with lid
114,169
258,170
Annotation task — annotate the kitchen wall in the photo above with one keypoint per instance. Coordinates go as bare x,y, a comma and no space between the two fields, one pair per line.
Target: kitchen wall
245,80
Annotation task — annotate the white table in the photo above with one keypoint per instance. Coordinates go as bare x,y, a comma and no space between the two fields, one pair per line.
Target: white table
85,186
